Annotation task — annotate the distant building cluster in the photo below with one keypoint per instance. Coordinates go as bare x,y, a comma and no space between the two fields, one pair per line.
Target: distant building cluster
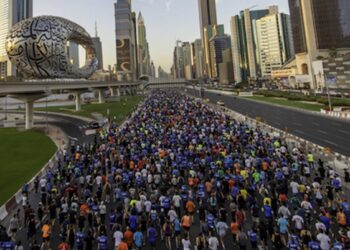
132,48
307,49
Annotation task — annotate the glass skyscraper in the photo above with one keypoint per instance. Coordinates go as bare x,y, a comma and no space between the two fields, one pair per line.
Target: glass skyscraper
11,12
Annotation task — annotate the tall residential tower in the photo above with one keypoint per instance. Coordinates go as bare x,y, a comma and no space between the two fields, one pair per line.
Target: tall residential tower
207,19
125,41
11,12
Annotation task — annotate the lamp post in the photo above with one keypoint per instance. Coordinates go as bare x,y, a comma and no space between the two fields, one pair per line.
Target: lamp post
329,95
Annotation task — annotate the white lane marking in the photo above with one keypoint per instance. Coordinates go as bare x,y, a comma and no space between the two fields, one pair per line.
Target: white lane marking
299,131
322,132
277,123
329,142
297,124
336,124
344,132
316,124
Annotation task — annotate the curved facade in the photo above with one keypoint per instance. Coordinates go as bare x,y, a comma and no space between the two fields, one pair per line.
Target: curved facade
38,47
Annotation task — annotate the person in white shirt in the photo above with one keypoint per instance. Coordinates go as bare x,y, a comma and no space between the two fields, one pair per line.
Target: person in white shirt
298,222
324,241
118,236
221,228
284,211
294,185
172,215
186,243
213,243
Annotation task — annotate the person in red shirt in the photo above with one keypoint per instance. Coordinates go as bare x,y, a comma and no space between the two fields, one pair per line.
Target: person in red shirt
129,237
123,245
63,246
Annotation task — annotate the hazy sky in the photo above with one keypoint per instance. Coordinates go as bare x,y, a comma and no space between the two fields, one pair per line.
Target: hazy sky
166,20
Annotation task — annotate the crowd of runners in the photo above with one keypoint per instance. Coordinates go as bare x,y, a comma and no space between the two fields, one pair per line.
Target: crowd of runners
182,175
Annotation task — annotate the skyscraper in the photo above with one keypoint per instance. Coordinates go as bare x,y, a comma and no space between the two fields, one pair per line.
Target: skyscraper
207,19
125,41
11,12
244,43
319,27
143,49
274,42
187,60
218,44
178,61
197,58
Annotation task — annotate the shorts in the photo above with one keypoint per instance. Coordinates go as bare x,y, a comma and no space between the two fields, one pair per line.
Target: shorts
46,239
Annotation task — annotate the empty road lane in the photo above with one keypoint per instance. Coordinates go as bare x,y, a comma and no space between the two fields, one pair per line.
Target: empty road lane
324,131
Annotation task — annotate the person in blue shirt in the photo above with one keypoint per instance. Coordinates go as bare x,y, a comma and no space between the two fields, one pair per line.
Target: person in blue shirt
7,245
253,238
79,240
138,239
152,235
102,242
133,222
314,245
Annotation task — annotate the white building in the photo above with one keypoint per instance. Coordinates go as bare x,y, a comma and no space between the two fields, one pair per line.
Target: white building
11,12
273,39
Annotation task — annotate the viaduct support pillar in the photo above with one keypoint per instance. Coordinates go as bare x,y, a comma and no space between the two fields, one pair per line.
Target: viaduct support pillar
29,99
29,122
101,98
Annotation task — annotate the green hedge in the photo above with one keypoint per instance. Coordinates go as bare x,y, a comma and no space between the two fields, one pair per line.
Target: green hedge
299,97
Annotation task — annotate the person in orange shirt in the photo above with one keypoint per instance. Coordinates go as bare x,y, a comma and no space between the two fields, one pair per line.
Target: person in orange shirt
234,229
46,232
341,218
84,209
129,237
132,165
123,245
190,207
186,222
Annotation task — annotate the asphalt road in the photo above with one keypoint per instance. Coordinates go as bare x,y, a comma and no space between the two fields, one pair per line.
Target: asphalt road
327,132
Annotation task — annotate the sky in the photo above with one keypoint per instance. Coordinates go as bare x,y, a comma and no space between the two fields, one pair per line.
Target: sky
166,21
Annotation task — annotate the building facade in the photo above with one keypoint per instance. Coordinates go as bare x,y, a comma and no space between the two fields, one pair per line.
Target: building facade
98,47
243,36
197,59
218,45
207,20
187,60
320,29
11,12
143,47
260,39
125,41
274,42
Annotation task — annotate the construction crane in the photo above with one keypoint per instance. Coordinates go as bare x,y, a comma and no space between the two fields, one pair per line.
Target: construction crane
252,7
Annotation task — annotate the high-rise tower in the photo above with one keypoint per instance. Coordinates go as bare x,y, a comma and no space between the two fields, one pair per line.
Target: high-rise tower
11,12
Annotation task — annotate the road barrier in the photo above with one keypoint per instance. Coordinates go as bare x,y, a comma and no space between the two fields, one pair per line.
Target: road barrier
344,115
335,160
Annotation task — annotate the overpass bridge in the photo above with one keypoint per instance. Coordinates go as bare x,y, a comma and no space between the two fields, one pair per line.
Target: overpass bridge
159,83
30,91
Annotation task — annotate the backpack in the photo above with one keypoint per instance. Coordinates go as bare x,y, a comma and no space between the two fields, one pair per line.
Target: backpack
268,212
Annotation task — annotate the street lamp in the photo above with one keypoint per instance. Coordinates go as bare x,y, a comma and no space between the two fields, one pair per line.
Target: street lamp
329,95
